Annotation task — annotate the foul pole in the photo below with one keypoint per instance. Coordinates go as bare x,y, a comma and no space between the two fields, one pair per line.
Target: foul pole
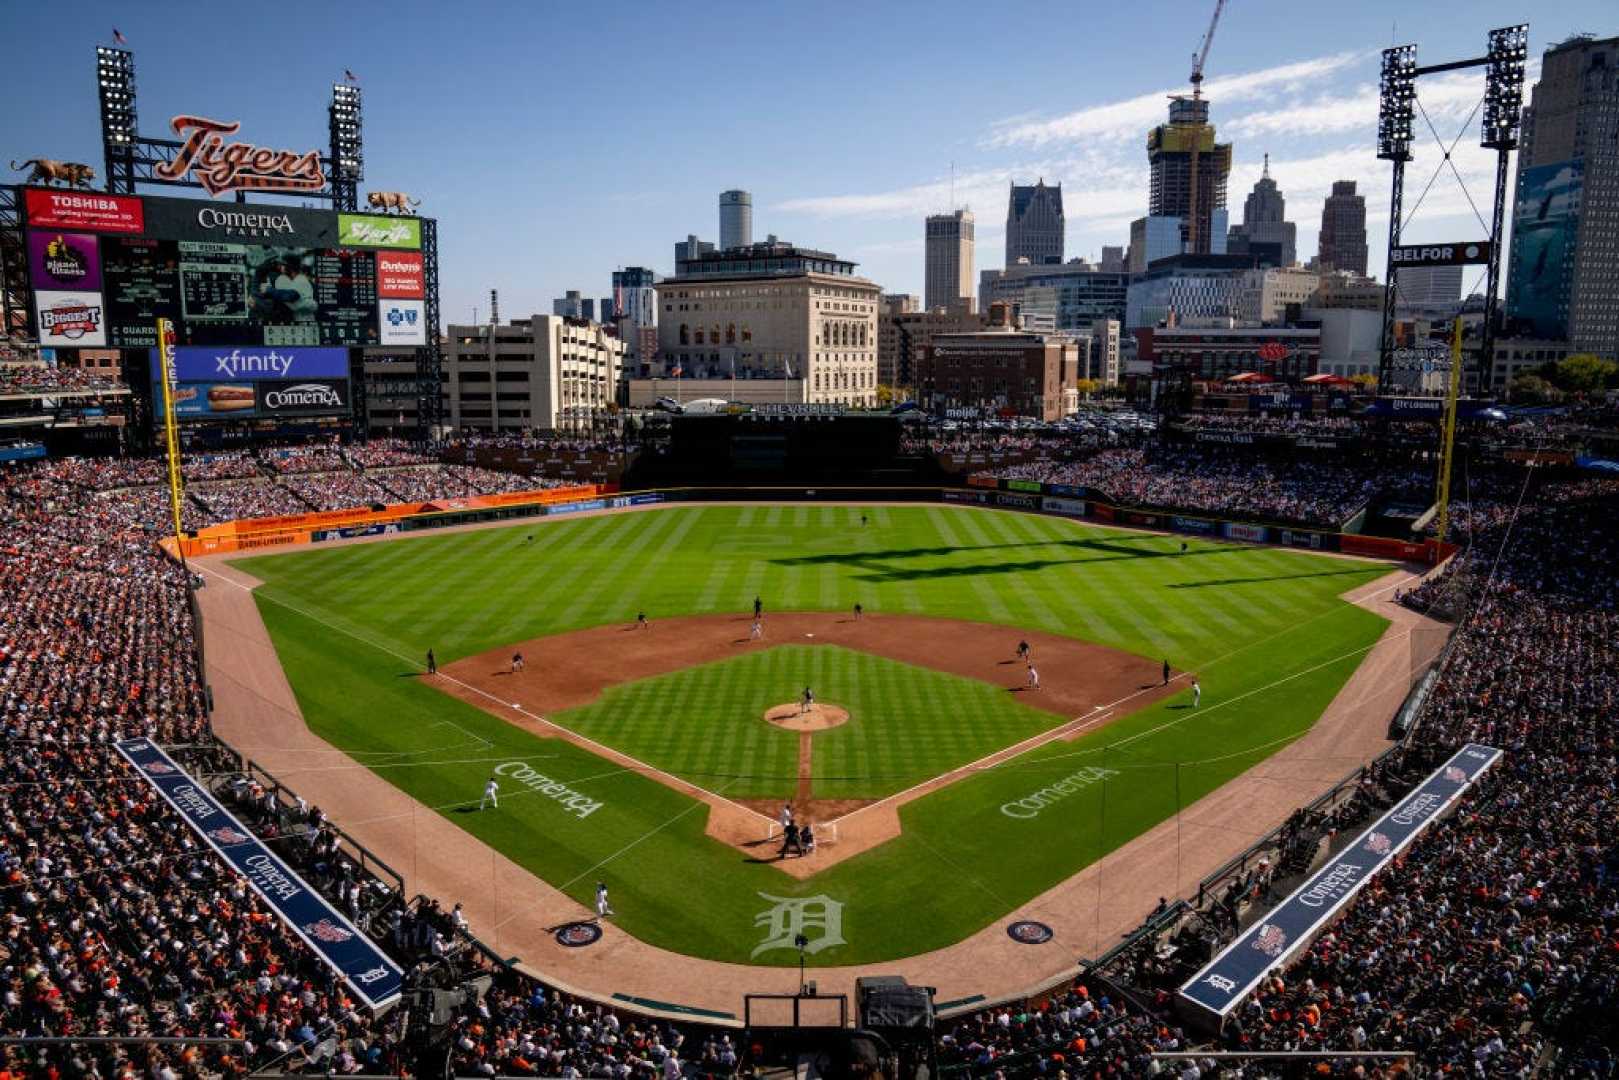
1450,428
165,353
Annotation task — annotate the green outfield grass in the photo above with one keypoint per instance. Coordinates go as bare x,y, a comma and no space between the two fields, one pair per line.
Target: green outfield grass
1264,629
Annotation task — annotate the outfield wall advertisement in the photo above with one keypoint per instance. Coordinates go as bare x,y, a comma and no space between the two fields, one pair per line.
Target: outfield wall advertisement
1273,939
369,972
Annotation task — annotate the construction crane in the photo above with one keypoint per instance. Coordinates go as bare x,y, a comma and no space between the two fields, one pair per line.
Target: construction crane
1202,55
1199,58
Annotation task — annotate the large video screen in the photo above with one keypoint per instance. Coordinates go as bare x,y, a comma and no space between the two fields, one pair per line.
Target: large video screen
105,268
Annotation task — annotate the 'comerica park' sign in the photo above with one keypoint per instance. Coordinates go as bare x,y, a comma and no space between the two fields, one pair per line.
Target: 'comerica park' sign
238,166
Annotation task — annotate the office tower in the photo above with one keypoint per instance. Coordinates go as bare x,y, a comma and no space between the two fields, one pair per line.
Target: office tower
1187,167
949,270
736,219
573,305
1034,224
691,248
1343,230
1263,231
1430,286
1565,228
1113,259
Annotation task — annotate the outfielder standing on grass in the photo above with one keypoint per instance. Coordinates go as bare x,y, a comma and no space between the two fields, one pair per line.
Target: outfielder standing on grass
603,908
1197,693
491,795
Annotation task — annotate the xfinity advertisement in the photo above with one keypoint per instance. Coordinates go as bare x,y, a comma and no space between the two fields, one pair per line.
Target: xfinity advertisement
255,383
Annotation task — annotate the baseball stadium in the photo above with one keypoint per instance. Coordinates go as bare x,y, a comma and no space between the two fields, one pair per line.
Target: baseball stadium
1226,726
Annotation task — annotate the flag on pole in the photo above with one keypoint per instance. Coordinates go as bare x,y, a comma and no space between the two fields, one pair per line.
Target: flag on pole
119,38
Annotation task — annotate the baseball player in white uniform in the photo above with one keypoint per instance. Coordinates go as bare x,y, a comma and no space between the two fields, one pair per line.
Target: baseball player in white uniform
603,908
1034,678
491,795
1197,693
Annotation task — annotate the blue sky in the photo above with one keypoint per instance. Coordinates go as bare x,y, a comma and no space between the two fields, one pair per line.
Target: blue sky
557,142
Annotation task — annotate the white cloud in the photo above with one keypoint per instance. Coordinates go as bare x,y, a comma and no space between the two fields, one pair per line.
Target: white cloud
1129,118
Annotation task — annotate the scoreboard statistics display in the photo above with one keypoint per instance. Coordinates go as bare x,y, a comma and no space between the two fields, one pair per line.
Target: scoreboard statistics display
226,273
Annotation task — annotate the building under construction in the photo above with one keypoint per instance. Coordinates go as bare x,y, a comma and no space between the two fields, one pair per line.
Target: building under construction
1189,166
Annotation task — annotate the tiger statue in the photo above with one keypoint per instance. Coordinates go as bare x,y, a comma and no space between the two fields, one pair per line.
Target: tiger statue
48,171
391,200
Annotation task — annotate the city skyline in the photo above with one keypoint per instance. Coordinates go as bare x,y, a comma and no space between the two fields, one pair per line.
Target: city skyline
532,205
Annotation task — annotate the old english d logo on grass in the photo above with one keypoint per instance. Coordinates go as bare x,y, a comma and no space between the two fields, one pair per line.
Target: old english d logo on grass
819,919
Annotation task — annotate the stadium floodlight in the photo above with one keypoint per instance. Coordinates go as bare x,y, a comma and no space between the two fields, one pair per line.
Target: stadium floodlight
348,145
1397,95
115,78
1503,87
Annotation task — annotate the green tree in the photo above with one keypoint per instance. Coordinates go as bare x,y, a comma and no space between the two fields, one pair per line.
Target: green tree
1532,389
1585,373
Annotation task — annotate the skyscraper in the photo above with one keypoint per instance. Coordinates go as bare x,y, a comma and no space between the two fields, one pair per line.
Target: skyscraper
1343,230
1565,228
1263,231
1184,158
736,219
1430,286
949,282
1035,224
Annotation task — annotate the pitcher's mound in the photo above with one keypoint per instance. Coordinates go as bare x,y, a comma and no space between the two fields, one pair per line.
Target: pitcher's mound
818,718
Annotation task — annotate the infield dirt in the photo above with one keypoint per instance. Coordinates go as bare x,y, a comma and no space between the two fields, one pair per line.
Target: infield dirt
1086,686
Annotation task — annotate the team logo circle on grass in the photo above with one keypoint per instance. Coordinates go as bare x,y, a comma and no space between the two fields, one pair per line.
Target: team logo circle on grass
576,935
1029,932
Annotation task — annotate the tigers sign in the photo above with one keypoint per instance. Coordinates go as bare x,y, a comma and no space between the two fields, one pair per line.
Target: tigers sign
236,166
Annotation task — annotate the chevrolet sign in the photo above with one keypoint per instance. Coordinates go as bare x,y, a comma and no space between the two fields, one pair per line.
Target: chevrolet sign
1468,254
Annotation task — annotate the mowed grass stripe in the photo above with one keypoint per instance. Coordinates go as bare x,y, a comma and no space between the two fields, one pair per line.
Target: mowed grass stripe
900,898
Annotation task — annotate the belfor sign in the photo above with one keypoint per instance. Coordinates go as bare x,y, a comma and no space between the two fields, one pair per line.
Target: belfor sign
1475,253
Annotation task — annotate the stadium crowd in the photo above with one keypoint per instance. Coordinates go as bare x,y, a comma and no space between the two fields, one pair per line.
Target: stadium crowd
1492,941
45,378
232,485
1209,480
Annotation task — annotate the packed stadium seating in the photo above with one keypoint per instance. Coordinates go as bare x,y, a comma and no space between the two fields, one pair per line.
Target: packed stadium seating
1491,946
